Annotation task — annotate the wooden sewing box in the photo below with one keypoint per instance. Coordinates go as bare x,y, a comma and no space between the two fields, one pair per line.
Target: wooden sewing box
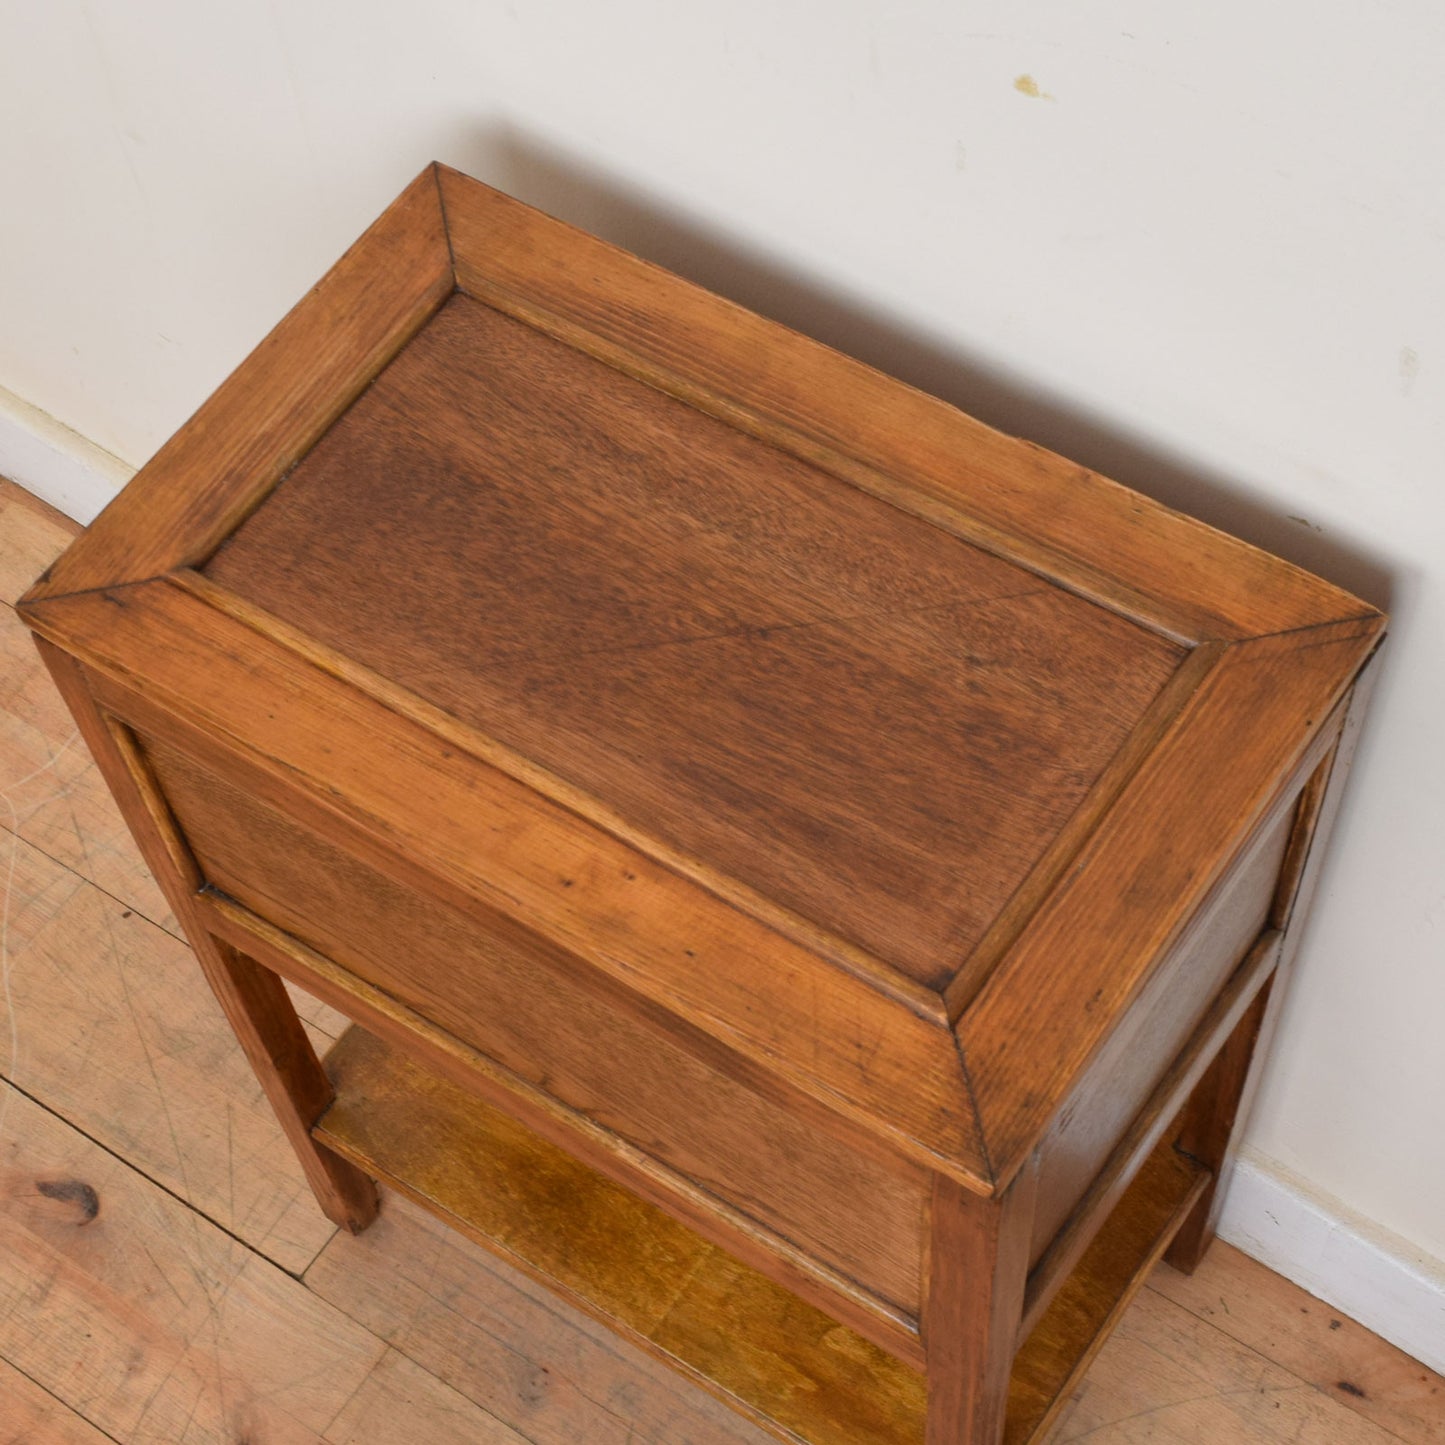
810,873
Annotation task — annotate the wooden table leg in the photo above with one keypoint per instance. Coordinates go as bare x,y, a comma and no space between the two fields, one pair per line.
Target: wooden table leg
253,998
978,1269
1208,1126
264,1019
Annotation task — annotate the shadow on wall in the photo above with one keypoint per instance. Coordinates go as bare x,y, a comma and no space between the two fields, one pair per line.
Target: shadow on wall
545,177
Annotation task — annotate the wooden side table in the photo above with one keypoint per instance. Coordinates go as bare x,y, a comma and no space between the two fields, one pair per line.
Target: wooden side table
810,873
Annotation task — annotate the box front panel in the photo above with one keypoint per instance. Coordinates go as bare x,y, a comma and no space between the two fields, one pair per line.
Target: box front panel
622,1063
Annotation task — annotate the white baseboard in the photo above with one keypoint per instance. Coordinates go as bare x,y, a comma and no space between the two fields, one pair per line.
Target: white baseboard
56,464
1341,1258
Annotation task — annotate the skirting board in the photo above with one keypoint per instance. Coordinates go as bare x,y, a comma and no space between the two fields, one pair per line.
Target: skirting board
1338,1256
1309,1238
54,463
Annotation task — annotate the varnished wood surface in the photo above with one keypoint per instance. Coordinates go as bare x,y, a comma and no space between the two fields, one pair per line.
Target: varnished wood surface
253,999
463,1350
807,689
1074,1328
978,1261
1107,1099
1164,1115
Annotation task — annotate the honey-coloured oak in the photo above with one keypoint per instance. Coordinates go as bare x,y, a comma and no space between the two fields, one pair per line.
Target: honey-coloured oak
811,875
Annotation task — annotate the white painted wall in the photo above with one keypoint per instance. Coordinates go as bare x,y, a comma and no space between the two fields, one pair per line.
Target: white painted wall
1208,258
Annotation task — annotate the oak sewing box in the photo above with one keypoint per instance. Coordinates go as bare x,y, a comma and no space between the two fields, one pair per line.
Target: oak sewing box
809,873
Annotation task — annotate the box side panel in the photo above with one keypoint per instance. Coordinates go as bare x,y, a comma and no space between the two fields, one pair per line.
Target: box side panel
1117,1084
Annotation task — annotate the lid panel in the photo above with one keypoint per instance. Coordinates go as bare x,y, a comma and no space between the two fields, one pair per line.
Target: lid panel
849,711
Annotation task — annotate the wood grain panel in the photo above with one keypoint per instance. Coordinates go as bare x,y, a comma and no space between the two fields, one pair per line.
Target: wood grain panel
858,715
667,1089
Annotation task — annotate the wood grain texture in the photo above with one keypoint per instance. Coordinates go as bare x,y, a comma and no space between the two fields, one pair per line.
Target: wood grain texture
1100,539
1207,1128
52,796
487,1330
31,1416
51,793
32,536
398,1400
462,831
108,1026
1212,1125
1160,1118
1204,1375
739,1335
850,712
582,650
1003,933
1167,1376
274,406
601,1149
683,1101
1188,982
161,1329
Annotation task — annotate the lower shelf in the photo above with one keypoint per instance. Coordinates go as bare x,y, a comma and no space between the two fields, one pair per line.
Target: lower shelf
767,1353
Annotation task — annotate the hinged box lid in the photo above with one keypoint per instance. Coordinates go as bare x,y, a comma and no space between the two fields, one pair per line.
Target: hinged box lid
799,701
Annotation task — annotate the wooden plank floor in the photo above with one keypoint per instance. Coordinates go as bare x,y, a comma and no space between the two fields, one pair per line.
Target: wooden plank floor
165,1278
